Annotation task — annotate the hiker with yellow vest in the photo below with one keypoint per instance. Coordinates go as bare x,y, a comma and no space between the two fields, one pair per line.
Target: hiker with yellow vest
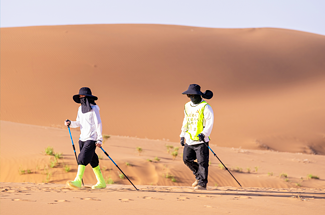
196,129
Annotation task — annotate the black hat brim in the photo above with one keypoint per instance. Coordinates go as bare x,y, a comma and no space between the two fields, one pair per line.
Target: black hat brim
77,99
192,92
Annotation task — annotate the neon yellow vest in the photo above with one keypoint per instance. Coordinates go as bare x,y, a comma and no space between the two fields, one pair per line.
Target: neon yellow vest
195,119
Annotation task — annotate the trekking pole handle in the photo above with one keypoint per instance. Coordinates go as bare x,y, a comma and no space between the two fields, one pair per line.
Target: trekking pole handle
68,120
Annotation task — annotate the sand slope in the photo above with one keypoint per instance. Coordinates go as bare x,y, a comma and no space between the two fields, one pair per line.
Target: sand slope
268,83
22,148
252,168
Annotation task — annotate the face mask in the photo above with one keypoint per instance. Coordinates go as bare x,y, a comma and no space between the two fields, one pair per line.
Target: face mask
196,99
91,101
85,105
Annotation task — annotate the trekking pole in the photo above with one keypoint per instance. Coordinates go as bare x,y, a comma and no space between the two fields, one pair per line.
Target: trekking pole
118,167
221,163
74,149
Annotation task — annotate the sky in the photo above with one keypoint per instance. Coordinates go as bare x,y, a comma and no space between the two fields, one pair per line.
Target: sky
302,15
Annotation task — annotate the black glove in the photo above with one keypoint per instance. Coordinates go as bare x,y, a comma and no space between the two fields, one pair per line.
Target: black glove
182,141
68,122
201,137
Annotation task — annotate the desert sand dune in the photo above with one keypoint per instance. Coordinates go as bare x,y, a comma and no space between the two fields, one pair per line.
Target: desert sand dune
268,83
268,101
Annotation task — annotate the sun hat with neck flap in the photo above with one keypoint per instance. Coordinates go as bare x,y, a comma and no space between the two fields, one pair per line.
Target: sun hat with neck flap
195,89
86,92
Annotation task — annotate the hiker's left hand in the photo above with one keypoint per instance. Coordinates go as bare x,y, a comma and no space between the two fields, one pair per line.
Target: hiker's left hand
67,122
201,137
182,141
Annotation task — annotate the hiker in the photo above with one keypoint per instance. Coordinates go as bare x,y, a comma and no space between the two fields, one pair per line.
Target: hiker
196,129
88,119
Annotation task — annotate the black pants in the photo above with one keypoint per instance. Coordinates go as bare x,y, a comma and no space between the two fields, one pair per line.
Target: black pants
199,168
87,153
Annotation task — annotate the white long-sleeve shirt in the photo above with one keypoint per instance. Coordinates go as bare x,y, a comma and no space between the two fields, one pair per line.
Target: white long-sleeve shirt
208,125
90,124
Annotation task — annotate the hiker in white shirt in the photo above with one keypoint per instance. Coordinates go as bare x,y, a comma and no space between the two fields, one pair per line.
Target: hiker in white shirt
196,129
88,119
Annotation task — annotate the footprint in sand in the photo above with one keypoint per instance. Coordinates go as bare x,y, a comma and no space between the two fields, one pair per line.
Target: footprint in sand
245,197
24,200
125,200
149,197
23,188
16,200
46,190
241,197
182,198
205,196
90,199
61,200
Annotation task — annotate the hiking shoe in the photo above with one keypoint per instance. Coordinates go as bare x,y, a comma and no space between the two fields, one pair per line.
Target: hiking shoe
74,184
78,180
196,182
100,179
199,187
99,186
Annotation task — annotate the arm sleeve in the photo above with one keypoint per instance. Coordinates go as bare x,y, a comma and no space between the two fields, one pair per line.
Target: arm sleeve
98,124
209,119
75,124
184,126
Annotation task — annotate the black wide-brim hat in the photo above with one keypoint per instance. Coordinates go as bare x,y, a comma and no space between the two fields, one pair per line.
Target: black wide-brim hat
86,92
195,89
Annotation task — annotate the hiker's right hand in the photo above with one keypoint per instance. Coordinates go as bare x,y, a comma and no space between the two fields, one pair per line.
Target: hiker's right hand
182,141
67,122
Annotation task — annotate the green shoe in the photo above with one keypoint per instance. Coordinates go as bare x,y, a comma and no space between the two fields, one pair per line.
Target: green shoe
100,179
78,180
74,184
